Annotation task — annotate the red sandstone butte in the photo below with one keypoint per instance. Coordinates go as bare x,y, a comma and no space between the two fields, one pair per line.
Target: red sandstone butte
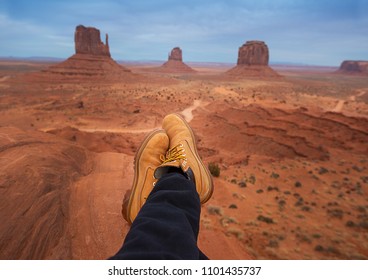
253,53
176,54
175,63
359,67
87,41
92,59
253,57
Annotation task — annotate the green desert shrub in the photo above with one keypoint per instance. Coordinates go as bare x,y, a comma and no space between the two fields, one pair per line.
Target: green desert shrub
265,219
214,169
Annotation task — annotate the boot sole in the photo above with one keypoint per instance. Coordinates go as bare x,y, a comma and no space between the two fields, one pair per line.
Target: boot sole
198,158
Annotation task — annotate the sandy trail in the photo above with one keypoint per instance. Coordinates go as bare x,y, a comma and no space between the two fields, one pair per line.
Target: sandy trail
117,130
340,104
361,92
188,112
3,79
109,130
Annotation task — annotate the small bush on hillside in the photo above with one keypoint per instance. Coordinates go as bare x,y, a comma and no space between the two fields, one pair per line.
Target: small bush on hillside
214,169
265,219
252,179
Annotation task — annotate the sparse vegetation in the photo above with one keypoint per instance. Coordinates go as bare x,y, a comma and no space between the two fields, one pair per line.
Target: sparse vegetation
350,224
238,233
265,219
80,105
306,208
281,204
316,235
328,250
225,221
363,224
364,179
214,210
303,237
233,181
214,169
335,213
242,184
273,243
318,248
269,188
300,202
322,171
252,179
357,169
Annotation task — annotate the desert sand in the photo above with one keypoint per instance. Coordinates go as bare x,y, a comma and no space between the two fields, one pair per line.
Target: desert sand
292,152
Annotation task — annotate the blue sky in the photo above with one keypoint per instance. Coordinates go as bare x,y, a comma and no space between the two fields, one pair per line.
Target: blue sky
316,32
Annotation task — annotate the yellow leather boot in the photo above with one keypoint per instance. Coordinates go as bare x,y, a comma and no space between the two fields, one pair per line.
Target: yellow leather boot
183,154
146,160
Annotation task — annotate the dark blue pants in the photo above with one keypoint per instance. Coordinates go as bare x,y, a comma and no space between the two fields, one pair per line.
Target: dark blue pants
168,224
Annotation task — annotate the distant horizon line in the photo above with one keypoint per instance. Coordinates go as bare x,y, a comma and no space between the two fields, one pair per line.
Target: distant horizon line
131,61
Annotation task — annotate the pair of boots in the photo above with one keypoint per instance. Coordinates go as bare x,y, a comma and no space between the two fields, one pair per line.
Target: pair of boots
172,149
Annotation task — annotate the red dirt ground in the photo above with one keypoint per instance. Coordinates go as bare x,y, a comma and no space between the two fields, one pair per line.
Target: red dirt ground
292,153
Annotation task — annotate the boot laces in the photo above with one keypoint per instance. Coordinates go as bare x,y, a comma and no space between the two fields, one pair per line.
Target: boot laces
175,153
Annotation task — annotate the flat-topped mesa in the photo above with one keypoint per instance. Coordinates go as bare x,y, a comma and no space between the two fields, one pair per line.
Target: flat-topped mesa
87,41
252,61
176,54
354,67
253,53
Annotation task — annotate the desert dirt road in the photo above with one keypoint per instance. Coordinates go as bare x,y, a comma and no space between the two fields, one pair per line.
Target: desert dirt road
3,79
340,104
187,114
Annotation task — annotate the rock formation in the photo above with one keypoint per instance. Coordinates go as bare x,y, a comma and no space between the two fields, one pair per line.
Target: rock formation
253,53
175,63
87,41
176,54
91,61
253,57
35,193
354,67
